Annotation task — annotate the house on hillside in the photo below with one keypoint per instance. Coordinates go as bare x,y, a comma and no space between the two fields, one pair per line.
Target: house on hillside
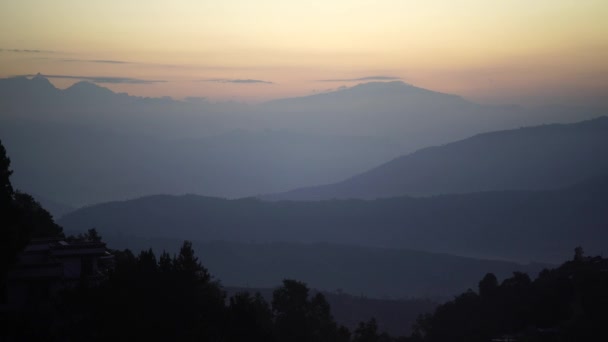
47,266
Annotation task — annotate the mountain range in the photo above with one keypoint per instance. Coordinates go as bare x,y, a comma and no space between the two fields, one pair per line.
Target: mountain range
531,158
514,225
397,218
388,273
86,144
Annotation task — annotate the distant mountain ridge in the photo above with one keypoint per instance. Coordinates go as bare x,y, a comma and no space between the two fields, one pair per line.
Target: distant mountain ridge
371,94
102,146
356,270
40,85
541,157
512,225
81,164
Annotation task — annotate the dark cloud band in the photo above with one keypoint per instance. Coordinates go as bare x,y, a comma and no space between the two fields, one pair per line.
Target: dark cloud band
25,51
100,61
102,79
242,81
368,78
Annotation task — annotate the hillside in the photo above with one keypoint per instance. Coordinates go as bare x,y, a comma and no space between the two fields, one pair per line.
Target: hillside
533,158
79,165
394,316
355,270
516,225
87,144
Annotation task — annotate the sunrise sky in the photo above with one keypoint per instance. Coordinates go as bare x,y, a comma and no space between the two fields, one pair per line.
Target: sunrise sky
515,51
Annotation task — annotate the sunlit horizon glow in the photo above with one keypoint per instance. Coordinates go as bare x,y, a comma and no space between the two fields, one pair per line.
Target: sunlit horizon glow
514,51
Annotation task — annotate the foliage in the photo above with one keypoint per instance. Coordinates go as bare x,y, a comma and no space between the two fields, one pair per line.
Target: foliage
567,303
299,318
511,225
21,218
368,332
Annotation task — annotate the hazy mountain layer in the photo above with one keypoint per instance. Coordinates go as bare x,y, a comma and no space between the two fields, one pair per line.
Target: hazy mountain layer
86,144
356,270
394,316
79,165
516,225
541,157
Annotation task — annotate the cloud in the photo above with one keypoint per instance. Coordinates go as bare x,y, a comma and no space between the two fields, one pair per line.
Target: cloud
242,81
26,51
101,61
368,78
103,79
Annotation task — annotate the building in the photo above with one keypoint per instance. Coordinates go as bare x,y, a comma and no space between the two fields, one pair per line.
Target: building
47,266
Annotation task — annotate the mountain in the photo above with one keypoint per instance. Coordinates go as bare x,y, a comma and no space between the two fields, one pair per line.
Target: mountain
412,116
56,209
86,103
356,270
532,158
372,95
513,225
394,316
80,164
87,91
87,144
21,91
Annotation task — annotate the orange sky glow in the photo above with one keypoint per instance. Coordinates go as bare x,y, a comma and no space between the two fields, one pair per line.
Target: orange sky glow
525,52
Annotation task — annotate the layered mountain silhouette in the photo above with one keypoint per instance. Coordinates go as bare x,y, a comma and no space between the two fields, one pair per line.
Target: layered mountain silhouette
86,144
516,225
356,270
413,116
394,316
81,164
535,158
386,95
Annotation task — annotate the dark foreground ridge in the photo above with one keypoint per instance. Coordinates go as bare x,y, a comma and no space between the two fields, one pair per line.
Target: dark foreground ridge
512,225
531,158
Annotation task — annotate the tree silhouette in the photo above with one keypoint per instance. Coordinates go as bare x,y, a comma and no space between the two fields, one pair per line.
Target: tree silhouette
299,319
165,263
249,319
6,189
563,304
368,332
488,286
146,262
187,263
21,218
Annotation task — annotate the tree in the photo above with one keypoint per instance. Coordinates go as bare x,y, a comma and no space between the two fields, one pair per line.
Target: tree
579,254
188,263
165,264
290,307
146,262
249,318
21,218
10,242
6,189
92,235
300,319
368,332
488,286
33,220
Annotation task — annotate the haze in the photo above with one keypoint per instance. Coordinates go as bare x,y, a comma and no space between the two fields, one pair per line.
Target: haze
518,52
374,171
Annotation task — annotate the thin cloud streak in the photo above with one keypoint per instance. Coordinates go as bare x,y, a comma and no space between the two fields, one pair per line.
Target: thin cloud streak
241,81
100,61
26,51
368,78
103,79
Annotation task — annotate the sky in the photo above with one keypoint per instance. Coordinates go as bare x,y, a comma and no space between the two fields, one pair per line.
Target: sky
498,52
